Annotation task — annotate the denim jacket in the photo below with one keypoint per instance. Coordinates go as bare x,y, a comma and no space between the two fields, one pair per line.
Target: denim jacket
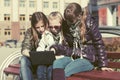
94,49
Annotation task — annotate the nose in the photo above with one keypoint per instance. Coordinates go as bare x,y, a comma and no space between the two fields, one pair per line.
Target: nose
53,29
40,30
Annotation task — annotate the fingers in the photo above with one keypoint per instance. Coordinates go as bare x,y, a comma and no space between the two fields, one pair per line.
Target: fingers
107,69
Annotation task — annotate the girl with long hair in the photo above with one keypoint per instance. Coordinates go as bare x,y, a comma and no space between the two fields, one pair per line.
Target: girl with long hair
39,23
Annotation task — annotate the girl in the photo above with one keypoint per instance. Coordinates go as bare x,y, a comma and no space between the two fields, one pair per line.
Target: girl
85,44
39,23
51,37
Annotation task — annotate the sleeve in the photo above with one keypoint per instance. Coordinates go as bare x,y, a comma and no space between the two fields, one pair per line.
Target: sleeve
26,43
41,44
62,49
45,42
99,45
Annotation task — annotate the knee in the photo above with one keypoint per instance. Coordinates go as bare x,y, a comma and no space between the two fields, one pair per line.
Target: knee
57,62
25,61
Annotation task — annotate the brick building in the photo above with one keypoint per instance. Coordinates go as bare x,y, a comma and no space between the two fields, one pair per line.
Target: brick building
109,12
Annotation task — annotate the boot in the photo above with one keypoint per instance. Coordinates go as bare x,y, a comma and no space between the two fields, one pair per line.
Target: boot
58,74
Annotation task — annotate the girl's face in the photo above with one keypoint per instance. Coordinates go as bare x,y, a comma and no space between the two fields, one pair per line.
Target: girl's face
55,26
40,27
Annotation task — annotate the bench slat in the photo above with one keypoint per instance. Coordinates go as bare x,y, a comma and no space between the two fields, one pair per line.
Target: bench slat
11,70
114,64
99,75
14,65
113,55
75,78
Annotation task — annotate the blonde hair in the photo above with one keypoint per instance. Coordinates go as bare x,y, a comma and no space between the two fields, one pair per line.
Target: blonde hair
57,15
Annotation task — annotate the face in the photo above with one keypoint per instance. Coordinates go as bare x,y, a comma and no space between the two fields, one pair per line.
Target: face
40,27
54,26
71,22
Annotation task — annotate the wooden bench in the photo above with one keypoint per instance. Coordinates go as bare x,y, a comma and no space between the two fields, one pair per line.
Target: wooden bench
90,75
101,75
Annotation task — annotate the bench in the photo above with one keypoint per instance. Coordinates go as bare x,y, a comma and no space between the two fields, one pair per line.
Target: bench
89,75
101,75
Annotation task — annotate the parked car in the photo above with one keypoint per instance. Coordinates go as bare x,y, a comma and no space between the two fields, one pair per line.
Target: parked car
11,43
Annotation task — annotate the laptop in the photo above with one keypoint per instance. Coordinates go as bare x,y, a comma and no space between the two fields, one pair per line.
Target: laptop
42,57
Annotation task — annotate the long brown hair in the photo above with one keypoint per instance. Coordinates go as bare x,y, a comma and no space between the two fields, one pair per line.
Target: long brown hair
74,13
36,17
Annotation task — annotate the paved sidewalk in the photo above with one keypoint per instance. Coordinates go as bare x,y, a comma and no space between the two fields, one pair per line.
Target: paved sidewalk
4,53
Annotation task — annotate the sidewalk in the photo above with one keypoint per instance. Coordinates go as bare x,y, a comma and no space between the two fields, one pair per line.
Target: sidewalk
4,53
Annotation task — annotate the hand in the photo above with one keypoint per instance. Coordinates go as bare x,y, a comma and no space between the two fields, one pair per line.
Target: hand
26,52
106,69
77,54
52,49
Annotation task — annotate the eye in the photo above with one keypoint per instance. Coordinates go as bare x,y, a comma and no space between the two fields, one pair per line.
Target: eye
42,26
37,27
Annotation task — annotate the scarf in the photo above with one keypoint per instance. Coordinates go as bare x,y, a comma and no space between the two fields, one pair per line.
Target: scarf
77,43
56,38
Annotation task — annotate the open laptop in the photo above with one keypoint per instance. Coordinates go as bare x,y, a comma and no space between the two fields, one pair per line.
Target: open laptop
42,57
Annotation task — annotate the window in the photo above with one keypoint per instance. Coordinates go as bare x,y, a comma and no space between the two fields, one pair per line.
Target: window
22,3
7,32
6,3
7,17
22,32
22,17
55,5
32,4
45,4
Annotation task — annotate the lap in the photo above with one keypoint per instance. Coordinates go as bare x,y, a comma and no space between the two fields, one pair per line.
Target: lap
78,65
62,62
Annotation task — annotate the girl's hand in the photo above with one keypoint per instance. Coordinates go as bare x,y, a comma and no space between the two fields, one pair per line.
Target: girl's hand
52,49
106,69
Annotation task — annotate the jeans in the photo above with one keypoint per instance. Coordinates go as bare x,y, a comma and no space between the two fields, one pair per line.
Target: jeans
43,72
72,66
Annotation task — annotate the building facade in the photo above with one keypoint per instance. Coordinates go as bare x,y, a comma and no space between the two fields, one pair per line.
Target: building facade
109,12
15,15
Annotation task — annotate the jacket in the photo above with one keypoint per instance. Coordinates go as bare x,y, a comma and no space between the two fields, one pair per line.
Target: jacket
47,41
94,49
28,43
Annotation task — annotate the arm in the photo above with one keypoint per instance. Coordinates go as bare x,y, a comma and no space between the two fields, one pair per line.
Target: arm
45,42
60,49
41,44
99,45
26,44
